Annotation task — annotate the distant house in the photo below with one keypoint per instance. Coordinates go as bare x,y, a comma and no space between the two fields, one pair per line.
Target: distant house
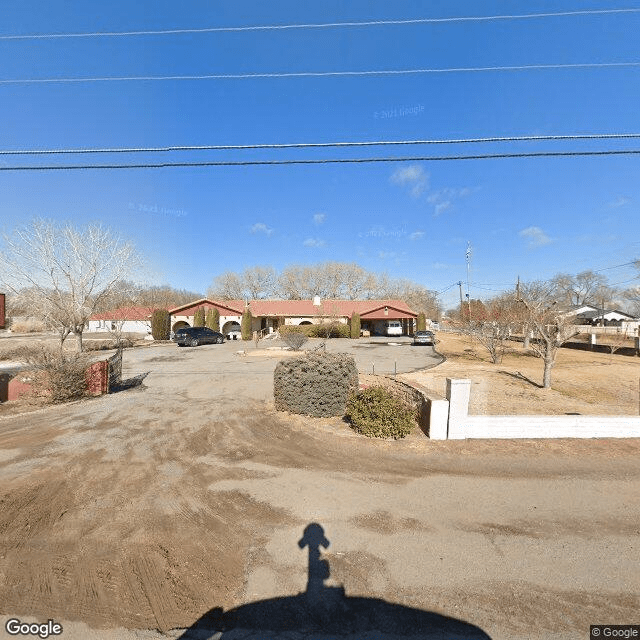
124,319
269,315
589,315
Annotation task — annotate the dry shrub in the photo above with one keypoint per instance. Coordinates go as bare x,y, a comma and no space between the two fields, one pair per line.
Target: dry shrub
30,325
376,412
58,375
293,337
106,345
12,353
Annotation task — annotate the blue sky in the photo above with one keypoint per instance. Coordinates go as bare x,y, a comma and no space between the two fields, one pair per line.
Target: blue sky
526,217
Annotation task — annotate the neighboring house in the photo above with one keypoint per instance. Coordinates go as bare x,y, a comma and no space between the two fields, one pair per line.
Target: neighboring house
589,315
269,315
124,319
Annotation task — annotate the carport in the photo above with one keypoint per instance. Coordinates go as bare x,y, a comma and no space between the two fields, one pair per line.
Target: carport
374,320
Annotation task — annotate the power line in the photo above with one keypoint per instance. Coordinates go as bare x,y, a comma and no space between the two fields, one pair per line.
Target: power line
305,145
327,25
232,163
322,74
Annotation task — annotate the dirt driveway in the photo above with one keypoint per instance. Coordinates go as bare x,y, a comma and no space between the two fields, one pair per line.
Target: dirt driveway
147,508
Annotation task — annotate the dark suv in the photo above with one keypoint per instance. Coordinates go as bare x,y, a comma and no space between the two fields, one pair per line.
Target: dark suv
193,336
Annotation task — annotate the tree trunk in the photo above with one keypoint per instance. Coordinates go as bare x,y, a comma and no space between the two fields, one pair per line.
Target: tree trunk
546,377
78,333
63,335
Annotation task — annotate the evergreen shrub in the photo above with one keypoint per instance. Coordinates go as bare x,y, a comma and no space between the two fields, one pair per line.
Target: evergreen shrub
315,384
245,325
212,319
161,324
198,317
355,326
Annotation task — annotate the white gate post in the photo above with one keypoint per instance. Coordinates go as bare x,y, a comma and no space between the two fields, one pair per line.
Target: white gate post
458,392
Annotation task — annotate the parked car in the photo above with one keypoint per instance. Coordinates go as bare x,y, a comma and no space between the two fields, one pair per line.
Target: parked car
424,337
393,327
193,336
234,332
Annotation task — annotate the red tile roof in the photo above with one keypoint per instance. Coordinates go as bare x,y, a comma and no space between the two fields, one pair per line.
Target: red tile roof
124,313
236,306
372,309
326,308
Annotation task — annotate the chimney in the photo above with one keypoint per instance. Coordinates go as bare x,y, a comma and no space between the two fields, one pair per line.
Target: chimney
316,301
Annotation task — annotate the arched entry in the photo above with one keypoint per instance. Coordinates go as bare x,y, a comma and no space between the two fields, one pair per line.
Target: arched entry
305,322
180,325
230,326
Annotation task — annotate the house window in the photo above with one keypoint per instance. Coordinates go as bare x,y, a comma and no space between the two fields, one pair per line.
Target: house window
113,326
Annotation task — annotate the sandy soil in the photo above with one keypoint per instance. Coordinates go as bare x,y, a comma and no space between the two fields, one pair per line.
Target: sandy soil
147,508
582,381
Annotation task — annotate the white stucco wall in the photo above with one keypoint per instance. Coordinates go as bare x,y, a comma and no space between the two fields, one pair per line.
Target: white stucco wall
127,326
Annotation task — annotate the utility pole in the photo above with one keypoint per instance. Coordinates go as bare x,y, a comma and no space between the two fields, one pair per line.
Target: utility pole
518,289
460,285
468,256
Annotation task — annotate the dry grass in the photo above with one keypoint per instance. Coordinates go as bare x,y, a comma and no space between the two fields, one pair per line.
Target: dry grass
28,326
582,382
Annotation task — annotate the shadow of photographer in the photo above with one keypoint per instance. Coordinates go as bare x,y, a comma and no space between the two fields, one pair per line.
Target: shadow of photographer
327,610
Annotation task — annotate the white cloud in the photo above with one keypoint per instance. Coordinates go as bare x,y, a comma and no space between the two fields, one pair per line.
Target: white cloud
444,199
536,236
412,176
319,218
441,207
313,242
416,235
440,265
620,201
383,255
261,227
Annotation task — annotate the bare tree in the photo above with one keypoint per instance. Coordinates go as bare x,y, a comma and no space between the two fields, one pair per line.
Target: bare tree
227,286
500,316
329,280
294,283
587,287
70,272
552,325
259,282
632,297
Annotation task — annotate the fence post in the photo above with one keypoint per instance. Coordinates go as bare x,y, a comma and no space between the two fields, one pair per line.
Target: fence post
593,340
458,393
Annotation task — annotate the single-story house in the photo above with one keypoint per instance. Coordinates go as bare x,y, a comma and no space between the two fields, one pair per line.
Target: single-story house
124,319
269,315
589,315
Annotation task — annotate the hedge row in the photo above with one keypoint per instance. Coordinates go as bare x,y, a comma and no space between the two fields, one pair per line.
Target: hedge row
333,330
